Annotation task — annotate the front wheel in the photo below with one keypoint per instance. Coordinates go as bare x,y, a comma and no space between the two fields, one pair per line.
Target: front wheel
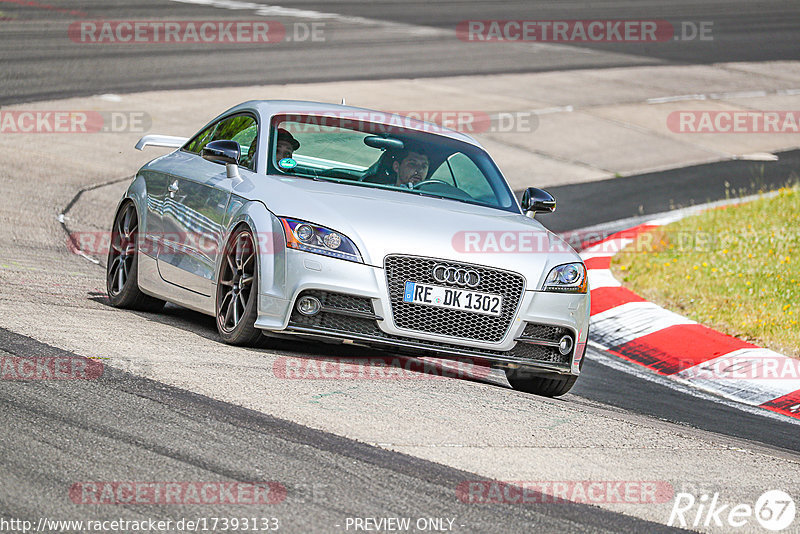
237,291
546,386
122,267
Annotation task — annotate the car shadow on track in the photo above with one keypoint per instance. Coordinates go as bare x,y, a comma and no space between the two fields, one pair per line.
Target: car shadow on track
299,358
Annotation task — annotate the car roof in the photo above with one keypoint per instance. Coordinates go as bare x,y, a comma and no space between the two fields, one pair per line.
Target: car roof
269,108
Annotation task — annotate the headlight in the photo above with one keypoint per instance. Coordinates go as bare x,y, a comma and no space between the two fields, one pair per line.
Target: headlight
317,239
567,278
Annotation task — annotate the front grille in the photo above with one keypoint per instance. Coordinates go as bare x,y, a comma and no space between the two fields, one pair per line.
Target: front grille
340,301
334,322
544,332
539,353
447,322
338,322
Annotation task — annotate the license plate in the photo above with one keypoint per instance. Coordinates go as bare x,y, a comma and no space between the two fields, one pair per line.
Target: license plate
453,298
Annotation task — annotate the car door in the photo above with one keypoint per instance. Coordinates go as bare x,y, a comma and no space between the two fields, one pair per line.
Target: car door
150,220
194,213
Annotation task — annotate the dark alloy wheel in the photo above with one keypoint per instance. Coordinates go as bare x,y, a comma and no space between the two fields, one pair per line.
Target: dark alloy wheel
237,291
122,266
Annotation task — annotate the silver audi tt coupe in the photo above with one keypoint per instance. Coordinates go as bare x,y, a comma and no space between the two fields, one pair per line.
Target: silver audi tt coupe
288,218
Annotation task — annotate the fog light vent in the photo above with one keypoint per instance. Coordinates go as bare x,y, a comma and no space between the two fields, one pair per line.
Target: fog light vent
565,345
308,306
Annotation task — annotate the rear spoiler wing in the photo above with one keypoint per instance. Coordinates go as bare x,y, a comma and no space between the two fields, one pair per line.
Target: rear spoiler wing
167,141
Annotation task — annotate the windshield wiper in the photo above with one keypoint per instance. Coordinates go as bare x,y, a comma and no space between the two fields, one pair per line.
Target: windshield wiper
434,195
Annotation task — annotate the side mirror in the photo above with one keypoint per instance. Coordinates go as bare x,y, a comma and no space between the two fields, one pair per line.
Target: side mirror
222,152
538,201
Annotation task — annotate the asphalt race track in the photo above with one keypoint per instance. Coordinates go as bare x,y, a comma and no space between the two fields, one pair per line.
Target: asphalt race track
391,46
192,409
330,476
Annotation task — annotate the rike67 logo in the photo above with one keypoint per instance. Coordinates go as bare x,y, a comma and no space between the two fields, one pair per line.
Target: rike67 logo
774,510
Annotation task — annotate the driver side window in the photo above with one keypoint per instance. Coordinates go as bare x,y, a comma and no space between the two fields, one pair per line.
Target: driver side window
240,128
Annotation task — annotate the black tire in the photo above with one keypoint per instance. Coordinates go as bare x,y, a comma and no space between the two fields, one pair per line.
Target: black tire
122,266
237,291
555,386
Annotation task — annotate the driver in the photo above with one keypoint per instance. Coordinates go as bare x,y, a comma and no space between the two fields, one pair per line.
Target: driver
286,145
411,166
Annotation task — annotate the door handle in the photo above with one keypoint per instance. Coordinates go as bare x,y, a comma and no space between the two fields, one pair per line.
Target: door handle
173,188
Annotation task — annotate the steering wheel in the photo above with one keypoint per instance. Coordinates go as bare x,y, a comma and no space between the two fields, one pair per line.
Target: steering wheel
442,187
336,172
430,181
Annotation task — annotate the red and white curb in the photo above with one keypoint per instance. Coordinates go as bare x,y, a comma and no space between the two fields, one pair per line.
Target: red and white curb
625,325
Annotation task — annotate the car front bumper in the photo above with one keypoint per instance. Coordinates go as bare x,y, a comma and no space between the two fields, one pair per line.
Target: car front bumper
360,311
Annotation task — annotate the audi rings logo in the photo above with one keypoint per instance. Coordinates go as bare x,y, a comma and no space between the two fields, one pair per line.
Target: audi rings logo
454,275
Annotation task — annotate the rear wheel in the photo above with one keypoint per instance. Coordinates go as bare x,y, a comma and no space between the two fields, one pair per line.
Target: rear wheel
546,386
237,291
122,266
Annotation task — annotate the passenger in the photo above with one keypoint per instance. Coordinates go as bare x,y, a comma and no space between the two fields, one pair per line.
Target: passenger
287,144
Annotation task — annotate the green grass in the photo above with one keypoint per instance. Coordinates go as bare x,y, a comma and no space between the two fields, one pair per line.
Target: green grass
735,269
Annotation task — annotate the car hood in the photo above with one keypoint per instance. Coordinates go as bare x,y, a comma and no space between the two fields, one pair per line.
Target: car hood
382,222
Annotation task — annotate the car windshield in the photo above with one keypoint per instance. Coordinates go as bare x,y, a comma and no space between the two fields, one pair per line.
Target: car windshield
386,156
